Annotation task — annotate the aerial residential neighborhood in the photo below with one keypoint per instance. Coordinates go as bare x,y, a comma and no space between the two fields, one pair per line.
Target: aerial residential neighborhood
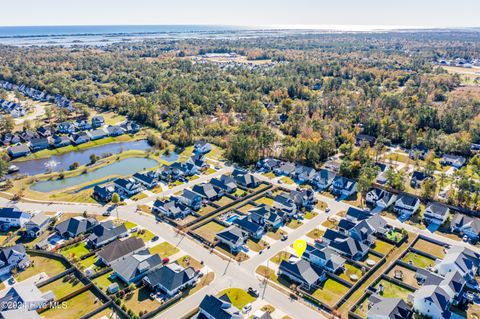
248,160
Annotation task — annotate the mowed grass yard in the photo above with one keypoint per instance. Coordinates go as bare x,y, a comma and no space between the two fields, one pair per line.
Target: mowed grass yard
418,260
104,281
331,292
391,290
140,300
164,249
62,287
40,264
238,297
209,230
382,247
76,307
350,270
430,248
75,250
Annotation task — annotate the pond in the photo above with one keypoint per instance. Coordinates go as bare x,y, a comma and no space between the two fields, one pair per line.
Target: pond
170,157
124,167
61,162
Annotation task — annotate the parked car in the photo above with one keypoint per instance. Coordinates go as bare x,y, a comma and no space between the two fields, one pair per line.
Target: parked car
106,213
247,308
327,210
284,237
155,238
252,291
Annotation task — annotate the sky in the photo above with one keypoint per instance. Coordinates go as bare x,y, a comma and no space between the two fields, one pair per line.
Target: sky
310,13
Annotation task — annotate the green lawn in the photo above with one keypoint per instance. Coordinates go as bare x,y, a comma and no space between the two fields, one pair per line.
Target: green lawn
392,290
382,247
294,224
287,180
238,297
310,215
104,281
140,300
240,193
331,292
394,235
63,286
75,251
351,270
164,249
75,307
144,234
418,260
40,264
265,200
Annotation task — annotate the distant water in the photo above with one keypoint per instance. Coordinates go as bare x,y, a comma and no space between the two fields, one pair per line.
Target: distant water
101,35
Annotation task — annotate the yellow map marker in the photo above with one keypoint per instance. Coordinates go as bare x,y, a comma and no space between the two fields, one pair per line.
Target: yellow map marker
300,245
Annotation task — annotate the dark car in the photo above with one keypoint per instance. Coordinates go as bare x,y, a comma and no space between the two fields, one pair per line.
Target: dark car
252,292
155,238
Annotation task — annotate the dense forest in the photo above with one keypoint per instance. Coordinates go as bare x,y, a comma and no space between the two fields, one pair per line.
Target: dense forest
298,97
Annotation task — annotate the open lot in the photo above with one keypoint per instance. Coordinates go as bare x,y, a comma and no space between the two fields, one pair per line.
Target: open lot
76,307
430,248
164,249
383,247
408,276
209,230
40,264
139,300
330,292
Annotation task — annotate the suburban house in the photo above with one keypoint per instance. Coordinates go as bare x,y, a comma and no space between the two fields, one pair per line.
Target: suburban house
365,230
120,248
382,172
191,199
303,198
27,135
127,186
13,257
178,170
13,217
103,193
303,273
233,237
253,229
342,186
356,215
225,183
97,121
115,130
325,258
303,174
75,226
171,208
133,267
380,198
266,216
245,179
406,204
418,152
18,151
39,143
323,179
202,147
66,128
364,138
388,308
285,168
130,127
418,178
198,160
208,192
466,225
80,138
97,134
82,125
147,179
453,160
105,232
37,225
345,245
61,141
45,131
436,213
285,204
170,279
453,283
268,164
460,259
213,307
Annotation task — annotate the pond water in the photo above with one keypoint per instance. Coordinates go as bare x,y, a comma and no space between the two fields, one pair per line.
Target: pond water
124,167
63,161
171,157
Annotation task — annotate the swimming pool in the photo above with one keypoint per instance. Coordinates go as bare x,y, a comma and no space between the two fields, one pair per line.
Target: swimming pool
231,219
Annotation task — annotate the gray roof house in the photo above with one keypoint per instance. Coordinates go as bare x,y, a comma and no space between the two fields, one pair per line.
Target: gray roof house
18,151
284,203
128,186
75,226
285,168
345,245
207,191
120,248
323,179
27,295
380,198
466,225
171,208
233,237
388,308
133,267
453,160
213,307
406,204
436,213
343,186
303,273
226,183
170,279
13,257
13,217
325,258
245,179
106,232
37,224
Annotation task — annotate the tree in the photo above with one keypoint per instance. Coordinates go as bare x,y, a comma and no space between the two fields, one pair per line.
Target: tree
428,188
116,201
3,167
365,180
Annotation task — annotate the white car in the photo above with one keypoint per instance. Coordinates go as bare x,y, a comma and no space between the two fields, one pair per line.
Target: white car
247,308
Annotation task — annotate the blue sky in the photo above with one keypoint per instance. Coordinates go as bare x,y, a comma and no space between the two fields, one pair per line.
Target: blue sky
419,13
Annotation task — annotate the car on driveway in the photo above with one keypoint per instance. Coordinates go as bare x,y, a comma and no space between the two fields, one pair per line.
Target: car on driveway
247,308
252,292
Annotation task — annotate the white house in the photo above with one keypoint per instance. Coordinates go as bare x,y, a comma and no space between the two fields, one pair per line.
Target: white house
13,257
380,198
12,217
436,213
407,204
